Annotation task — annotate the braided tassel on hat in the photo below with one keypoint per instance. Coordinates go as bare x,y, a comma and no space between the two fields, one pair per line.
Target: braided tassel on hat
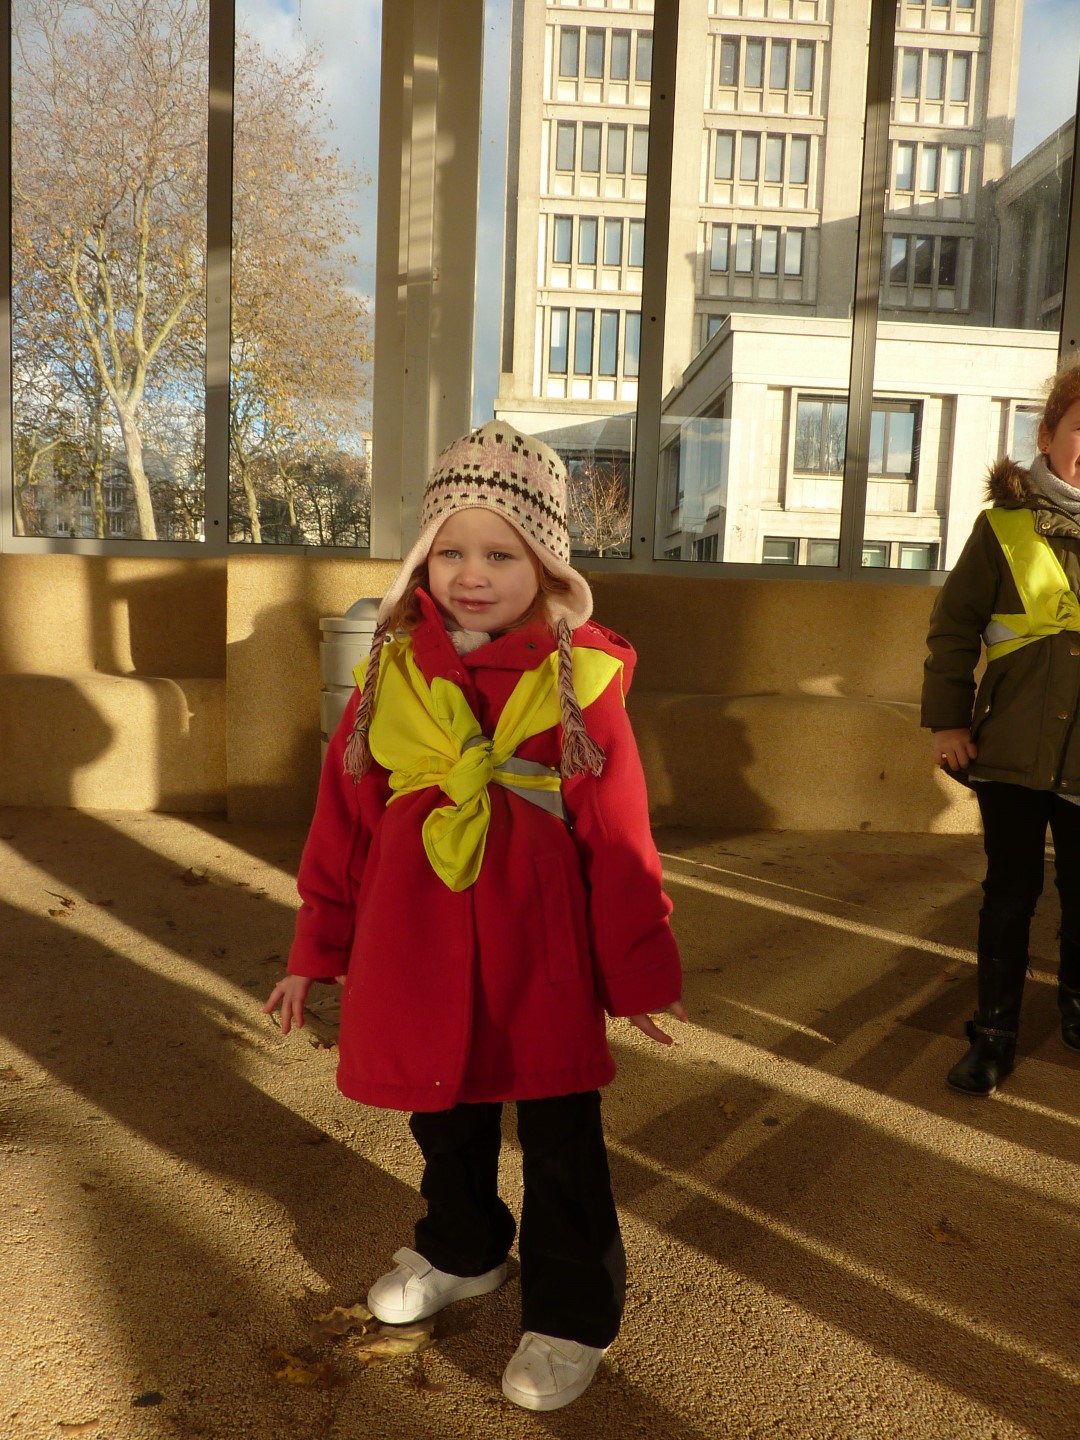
581,755
357,751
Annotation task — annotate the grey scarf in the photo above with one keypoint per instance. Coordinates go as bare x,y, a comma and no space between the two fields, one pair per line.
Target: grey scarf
1059,492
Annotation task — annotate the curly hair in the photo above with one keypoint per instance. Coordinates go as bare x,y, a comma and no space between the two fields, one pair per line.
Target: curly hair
1064,391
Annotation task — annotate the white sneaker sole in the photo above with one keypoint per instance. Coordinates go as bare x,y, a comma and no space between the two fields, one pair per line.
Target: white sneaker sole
465,1289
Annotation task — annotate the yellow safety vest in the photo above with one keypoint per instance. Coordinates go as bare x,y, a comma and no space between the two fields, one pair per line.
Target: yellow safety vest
426,735
1050,604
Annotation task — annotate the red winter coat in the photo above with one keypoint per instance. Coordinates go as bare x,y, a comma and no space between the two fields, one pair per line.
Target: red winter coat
497,992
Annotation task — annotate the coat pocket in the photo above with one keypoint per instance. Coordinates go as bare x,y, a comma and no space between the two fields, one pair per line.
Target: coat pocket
563,957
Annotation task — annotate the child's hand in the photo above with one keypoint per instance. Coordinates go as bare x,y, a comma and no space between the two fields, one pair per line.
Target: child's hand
290,994
648,1026
954,748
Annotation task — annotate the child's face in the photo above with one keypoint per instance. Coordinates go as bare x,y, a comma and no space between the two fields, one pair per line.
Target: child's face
1062,446
481,573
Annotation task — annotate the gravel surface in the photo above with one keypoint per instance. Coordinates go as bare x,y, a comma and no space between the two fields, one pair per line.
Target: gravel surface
824,1242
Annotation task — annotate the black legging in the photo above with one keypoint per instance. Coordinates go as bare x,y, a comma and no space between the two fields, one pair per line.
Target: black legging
1014,838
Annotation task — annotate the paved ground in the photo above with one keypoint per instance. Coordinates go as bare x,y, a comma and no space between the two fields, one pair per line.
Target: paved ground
824,1242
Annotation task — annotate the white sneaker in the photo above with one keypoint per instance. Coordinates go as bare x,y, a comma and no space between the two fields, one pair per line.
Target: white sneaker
414,1289
546,1372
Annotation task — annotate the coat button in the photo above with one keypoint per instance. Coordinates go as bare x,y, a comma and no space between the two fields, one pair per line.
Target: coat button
1074,650
1063,715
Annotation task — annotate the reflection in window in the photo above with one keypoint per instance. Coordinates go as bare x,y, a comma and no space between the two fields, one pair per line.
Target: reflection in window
768,260
924,260
586,241
635,256
1025,433
893,439
793,252
929,177
823,552
583,342
948,253
875,555
562,239
820,435
718,254
613,242
724,165
632,343
898,259
558,342
918,557
609,342
779,550
744,250
905,167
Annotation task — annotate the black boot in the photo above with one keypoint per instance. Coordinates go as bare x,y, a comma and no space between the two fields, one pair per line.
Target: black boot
1069,993
992,1029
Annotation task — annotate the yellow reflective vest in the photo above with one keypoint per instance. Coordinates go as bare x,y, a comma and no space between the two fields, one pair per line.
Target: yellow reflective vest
1050,604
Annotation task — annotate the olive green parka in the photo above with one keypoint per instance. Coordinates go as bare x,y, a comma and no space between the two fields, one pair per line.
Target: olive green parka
1024,718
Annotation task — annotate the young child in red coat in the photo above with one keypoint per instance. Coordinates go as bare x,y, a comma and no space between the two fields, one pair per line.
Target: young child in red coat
481,876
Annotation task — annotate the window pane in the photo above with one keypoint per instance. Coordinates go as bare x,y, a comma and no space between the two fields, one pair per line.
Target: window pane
779,57
749,148
561,240
929,177
616,150
620,55
909,80
565,145
960,79
804,65
718,256
754,72
594,54
744,249
779,551
875,555
583,339
631,342
898,257
590,149
636,244
770,250
924,259
643,61
729,62
905,167
809,422
1025,429
557,352
639,160
900,453
569,47
774,158
613,242
586,244
877,442
952,180
609,342
823,552
918,557
948,254
793,252
935,75
725,155
799,160
108,421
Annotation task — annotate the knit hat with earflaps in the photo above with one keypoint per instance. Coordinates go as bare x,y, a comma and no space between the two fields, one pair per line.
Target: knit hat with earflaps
524,481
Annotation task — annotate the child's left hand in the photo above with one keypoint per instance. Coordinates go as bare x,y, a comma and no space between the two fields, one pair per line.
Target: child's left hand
648,1026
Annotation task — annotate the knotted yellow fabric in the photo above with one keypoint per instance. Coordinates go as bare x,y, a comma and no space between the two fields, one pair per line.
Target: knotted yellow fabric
1050,604
426,735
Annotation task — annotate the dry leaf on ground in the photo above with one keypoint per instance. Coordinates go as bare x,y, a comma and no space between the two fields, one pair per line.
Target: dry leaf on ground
397,1340
76,1427
294,1370
946,1234
340,1320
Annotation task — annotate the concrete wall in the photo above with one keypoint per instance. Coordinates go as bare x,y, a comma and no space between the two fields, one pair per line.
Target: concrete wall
759,703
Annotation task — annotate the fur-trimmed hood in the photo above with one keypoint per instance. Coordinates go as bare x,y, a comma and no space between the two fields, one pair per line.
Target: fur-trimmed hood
1008,483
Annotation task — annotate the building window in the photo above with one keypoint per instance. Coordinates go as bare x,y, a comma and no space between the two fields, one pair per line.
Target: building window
804,66
613,242
724,164
952,170
639,159
749,152
635,257
616,150
583,342
898,259
561,242
924,260
774,159
643,59
894,439
609,342
594,54
631,343
799,159
620,55
590,149
875,555
909,75
960,79
793,253
729,62
1025,434
586,241
779,550
948,261
905,167
744,250
565,145
823,552
820,435
557,341
754,65
779,61
918,557
928,170
707,547
935,75
769,254
569,52
712,325
718,254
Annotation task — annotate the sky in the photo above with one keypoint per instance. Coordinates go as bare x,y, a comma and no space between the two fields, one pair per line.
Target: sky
347,32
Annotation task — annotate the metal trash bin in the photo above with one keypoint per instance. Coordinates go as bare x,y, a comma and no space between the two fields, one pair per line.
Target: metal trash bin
346,640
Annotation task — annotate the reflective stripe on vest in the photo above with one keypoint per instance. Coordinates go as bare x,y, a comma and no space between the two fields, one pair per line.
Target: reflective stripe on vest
1050,604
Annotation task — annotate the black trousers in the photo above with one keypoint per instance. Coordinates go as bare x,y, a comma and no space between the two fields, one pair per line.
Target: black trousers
573,1267
1014,837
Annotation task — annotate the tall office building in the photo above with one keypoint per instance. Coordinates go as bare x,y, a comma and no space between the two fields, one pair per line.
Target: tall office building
763,229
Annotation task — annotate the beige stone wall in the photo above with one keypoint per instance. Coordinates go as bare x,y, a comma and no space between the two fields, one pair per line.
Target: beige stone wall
145,684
